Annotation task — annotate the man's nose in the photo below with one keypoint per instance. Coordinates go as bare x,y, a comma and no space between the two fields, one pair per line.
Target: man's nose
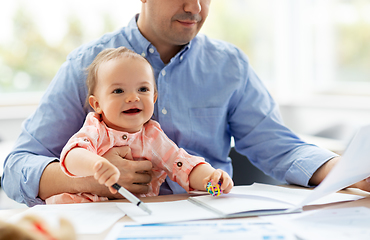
192,6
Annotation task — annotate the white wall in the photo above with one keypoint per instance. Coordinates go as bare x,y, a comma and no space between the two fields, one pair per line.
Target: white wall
338,120
11,120
306,119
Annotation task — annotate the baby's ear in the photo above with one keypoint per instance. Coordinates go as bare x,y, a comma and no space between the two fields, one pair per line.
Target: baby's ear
155,97
94,103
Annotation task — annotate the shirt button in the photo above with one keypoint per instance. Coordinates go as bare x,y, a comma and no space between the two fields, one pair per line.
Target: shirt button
86,140
163,72
179,164
143,54
181,58
124,137
164,111
151,50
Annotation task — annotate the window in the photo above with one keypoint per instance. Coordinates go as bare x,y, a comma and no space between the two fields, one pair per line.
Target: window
38,35
292,44
343,35
309,53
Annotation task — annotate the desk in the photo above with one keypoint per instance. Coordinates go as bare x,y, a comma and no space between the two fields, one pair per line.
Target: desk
4,214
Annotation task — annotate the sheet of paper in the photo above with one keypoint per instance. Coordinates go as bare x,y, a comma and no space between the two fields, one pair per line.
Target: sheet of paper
164,212
327,224
87,218
200,230
264,197
353,167
241,198
237,203
292,196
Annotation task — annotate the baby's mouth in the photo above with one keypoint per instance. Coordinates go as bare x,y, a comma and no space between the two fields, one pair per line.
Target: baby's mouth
132,110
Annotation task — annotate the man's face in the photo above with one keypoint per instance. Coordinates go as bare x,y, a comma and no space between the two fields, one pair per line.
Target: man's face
172,22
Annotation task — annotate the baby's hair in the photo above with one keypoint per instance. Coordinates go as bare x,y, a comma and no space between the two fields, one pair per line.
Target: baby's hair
105,56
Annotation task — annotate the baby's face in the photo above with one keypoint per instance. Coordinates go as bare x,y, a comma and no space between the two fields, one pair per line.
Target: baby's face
125,93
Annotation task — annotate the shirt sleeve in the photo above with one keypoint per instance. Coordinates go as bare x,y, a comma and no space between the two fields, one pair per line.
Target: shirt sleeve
59,115
88,137
261,135
175,161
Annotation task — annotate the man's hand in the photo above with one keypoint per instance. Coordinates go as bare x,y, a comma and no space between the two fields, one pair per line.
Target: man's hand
363,185
323,171
135,175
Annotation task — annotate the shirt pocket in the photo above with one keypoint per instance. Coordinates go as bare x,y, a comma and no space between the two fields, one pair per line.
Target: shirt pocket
208,126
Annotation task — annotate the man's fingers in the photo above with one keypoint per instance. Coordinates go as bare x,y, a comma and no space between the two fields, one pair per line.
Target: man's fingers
143,166
363,185
136,178
142,178
124,152
138,188
134,175
117,153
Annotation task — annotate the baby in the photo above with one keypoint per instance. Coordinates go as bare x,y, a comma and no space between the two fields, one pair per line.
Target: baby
122,92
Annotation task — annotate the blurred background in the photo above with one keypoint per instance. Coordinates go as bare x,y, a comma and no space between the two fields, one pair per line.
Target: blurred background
313,56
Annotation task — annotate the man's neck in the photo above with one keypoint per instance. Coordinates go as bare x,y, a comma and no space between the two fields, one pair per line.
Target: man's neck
167,52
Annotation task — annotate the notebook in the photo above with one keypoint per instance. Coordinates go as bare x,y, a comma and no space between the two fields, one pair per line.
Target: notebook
262,199
254,200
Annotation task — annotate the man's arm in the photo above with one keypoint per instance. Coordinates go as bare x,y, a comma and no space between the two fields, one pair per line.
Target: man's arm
54,181
134,176
324,170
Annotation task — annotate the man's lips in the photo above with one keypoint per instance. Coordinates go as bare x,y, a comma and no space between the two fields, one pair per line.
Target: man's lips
187,23
132,110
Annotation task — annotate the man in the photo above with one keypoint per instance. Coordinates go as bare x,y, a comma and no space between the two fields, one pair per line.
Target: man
208,93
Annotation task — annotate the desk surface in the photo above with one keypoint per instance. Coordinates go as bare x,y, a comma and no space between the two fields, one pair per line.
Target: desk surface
365,202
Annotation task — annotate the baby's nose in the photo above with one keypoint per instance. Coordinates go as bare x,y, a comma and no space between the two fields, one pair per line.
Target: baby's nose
132,97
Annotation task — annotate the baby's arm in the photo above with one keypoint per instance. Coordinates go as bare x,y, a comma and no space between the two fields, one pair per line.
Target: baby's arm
82,162
203,173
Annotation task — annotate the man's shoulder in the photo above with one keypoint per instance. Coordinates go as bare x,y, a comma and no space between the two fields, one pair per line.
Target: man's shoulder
217,47
218,53
91,49
208,43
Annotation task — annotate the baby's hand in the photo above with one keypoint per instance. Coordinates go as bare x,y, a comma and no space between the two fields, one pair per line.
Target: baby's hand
220,176
106,173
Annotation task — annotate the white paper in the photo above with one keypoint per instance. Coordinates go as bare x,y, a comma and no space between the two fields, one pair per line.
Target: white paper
236,203
202,230
241,198
292,196
163,212
265,197
87,218
327,224
353,167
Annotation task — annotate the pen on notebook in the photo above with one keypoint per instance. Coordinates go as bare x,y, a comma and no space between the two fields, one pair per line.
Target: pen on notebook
131,197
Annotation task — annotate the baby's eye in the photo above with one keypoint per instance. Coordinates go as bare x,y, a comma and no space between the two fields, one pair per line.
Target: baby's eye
143,89
118,90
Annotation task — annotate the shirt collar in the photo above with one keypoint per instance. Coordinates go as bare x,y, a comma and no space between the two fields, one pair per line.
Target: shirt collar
138,42
141,45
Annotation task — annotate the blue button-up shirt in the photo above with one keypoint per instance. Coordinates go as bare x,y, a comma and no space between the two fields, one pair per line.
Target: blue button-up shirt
208,93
